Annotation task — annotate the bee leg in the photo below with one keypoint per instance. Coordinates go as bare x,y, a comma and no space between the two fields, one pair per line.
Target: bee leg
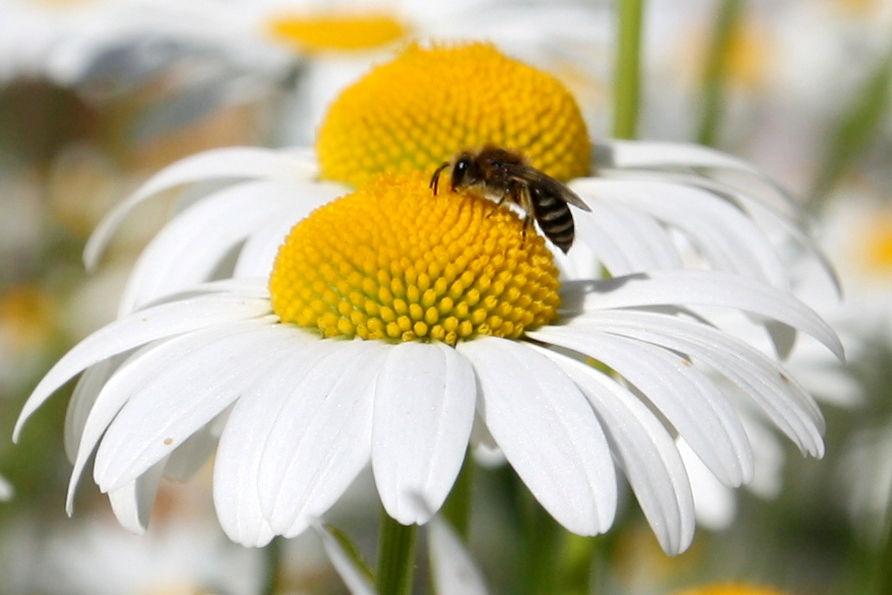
435,179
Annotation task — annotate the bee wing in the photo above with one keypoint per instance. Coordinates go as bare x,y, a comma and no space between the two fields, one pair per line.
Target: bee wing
533,177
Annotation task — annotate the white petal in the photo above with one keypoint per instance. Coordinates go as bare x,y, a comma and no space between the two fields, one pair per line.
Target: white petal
782,399
675,156
132,503
137,329
624,240
321,436
688,399
190,248
454,570
353,577
196,377
236,482
227,163
424,409
645,450
82,399
724,235
547,431
710,288
714,503
259,252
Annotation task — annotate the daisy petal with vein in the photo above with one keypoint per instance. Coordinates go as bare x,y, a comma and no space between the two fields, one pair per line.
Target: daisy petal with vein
392,319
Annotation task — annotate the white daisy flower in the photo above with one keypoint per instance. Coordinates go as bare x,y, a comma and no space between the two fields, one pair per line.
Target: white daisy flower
393,318
856,231
98,558
71,42
654,206
330,44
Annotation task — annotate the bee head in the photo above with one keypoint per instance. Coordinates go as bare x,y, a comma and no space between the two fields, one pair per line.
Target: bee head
465,171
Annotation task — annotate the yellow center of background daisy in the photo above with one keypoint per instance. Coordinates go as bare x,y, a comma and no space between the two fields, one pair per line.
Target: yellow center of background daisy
419,110
877,245
337,32
393,261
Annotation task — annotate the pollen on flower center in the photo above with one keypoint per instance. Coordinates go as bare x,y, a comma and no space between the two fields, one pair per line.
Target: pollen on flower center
417,111
344,32
393,261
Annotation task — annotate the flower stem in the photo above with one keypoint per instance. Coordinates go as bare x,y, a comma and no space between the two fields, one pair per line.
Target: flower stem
457,509
628,56
717,69
274,560
396,557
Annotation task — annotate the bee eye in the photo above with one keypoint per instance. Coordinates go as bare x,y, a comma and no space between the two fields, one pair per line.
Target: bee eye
459,171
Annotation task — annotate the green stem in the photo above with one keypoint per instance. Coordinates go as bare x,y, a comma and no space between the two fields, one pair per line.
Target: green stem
457,509
540,545
717,70
274,560
628,57
396,557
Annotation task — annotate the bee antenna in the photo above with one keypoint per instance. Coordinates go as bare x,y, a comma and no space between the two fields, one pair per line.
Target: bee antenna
436,177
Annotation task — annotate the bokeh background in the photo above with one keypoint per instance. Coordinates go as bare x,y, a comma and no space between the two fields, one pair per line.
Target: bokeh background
97,95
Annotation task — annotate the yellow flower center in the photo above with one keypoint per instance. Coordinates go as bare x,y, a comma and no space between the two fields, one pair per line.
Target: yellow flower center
393,261
730,589
876,246
337,32
417,111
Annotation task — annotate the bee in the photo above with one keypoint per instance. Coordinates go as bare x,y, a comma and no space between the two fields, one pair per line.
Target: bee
504,174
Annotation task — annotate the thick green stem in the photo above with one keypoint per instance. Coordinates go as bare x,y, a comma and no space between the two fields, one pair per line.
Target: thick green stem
540,556
396,557
716,71
274,561
628,57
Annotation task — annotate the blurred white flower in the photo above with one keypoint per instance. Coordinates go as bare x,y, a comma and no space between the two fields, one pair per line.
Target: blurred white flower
185,556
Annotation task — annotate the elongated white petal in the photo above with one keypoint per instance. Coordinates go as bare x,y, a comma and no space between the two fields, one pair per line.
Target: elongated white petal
642,155
454,570
237,464
257,256
645,450
137,329
194,380
782,399
321,437
724,235
190,457
105,405
688,399
82,399
714,503
548,432
624,240
625,153
424,409
132,503
353,578
6,490
710,288
191,247
227,163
